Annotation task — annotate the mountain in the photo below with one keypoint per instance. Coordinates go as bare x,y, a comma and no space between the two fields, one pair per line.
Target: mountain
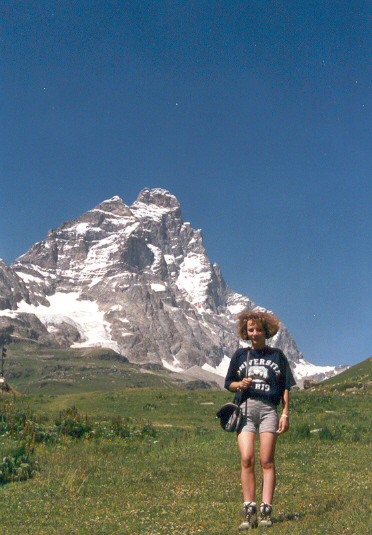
136,279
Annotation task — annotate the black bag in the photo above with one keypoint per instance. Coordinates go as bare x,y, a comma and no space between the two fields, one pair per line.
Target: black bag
230,416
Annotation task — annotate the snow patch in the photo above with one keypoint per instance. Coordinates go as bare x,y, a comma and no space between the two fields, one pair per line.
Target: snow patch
81,228
84,315
158,287
169,258
9,313
221,369
175,367
236,308
194,277
116,308
28,278
148,211
305,369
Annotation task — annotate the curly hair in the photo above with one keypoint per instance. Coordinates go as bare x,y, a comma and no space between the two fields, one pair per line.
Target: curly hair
269,322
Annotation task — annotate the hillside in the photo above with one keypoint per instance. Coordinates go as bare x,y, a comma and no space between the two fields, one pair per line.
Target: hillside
33,368
356,377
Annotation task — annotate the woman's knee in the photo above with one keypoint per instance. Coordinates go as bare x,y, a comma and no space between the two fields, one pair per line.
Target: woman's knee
247,461
246,442
267,464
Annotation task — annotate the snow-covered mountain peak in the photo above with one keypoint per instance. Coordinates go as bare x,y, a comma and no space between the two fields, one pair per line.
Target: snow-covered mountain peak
156,295
114,206
159,197
158,205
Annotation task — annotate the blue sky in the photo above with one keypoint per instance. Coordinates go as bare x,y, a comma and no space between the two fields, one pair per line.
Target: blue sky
256,115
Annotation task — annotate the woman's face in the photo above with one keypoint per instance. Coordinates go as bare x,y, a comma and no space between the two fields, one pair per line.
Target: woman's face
256,334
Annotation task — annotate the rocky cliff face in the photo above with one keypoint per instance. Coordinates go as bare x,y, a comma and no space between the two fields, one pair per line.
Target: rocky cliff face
136,279
12,289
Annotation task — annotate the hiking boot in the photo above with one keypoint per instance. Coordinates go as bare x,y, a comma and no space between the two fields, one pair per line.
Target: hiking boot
264,516
250,516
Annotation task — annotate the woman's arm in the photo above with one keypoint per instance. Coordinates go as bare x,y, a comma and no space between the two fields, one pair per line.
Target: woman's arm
231,382
244,384
284,419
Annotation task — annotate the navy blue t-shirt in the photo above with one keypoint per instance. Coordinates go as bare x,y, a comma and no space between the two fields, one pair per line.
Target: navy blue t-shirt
269,369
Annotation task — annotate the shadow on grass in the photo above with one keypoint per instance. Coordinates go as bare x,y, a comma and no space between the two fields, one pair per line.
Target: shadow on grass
317,510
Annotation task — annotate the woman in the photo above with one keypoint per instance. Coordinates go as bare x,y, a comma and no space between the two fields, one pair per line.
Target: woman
263,377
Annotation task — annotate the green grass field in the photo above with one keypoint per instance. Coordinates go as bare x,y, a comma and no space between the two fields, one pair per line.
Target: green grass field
155,461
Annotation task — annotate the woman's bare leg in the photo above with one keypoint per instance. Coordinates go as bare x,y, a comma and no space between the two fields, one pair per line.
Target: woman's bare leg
267,458
246,440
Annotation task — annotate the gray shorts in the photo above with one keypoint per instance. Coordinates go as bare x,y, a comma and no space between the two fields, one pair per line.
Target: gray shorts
259,415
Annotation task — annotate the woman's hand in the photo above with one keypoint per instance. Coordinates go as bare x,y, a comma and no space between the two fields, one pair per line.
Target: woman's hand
245,383
283,424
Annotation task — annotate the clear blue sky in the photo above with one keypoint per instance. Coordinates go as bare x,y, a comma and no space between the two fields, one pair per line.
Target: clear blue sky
256,115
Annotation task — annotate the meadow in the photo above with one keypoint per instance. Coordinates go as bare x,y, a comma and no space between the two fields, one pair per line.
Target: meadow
155,461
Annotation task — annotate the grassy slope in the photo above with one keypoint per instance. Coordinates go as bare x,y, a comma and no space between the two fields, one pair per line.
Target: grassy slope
31,368
185,478
359,375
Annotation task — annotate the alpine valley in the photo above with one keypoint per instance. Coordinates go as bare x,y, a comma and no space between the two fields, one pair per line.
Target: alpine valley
136,280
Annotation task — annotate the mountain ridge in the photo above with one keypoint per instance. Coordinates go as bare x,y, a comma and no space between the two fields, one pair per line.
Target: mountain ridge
136,279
